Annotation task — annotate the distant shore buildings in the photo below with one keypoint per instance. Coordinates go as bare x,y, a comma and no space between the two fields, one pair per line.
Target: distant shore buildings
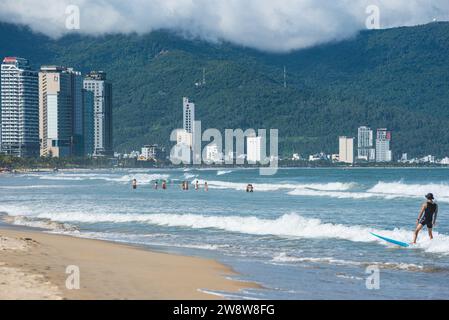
346,150
54,112
383,144
365,144
366,152
254,149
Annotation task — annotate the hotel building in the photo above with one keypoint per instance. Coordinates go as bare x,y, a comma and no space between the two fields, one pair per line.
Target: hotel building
96,83
19,130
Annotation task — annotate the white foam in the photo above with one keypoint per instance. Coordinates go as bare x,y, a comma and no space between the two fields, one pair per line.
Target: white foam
282,186
400,189
223,172
283,257
383,190
142,178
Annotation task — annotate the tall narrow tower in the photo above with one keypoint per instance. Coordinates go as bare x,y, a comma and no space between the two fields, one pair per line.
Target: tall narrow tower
188,112
96,82
19,108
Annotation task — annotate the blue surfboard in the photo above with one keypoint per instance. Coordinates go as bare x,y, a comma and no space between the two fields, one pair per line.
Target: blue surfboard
399,243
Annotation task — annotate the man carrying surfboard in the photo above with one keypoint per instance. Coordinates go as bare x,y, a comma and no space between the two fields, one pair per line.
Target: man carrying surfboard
427,217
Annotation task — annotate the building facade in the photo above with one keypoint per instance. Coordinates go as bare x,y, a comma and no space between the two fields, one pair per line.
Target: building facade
365,144
19,132
253,149
61,112
383,146
346,150
96,83
213,155
188,115
88,123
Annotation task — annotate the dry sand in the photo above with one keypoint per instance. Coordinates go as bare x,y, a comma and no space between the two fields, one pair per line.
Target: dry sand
33,265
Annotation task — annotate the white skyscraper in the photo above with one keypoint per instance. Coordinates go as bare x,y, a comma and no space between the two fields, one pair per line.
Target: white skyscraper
96,82
346,154
365,144
188,113
383,145
253,149
19,132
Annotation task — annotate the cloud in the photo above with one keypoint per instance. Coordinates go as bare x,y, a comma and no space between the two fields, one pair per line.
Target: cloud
280,25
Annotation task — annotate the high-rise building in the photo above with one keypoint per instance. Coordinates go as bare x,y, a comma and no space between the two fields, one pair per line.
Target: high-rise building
213,155
61,112
253,149
365,144
19,108
96,82
346,154
383,146
188,113
88,123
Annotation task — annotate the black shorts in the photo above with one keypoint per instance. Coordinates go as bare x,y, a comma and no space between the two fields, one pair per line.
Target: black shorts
426,222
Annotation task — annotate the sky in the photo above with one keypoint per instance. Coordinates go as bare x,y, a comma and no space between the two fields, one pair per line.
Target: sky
267,25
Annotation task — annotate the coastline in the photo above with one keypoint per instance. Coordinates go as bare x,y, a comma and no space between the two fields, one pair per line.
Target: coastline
33,265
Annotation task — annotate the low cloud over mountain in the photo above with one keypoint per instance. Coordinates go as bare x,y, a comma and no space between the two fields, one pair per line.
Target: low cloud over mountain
262,24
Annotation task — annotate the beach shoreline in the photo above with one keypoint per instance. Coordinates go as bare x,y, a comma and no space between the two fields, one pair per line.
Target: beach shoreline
38,265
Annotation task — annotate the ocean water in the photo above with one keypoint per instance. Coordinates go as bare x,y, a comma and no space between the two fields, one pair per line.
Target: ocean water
302,234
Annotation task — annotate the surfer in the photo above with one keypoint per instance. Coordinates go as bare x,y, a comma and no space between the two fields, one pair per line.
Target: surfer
427,217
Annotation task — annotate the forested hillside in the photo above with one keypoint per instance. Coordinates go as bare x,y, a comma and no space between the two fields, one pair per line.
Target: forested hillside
396,78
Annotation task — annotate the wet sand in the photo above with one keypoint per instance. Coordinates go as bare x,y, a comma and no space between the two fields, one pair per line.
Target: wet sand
33,265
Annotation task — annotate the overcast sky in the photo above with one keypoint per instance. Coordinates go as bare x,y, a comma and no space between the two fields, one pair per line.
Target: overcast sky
273,25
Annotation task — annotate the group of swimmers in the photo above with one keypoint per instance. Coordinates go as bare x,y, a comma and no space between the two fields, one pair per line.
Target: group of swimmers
185,185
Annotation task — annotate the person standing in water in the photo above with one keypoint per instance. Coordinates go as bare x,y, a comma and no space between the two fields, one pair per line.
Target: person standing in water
196,185
156,185
134,184
206,187
164,184
427,217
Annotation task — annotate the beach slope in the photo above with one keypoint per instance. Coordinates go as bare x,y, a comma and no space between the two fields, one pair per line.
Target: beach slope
33,265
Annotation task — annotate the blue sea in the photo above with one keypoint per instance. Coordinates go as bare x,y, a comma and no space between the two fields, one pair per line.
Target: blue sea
302,233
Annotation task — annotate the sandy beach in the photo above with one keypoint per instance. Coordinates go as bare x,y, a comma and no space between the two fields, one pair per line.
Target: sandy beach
33,265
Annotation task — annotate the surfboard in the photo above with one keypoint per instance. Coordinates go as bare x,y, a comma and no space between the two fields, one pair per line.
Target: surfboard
396,242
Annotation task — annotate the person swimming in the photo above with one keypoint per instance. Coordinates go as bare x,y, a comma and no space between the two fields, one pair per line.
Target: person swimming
427,217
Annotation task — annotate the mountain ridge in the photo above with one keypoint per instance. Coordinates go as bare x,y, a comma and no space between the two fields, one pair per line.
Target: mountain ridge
395,78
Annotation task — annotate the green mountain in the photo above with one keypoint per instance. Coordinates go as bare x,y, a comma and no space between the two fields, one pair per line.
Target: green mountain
396,78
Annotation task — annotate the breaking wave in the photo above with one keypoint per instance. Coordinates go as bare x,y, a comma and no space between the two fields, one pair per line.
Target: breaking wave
285,258
288,225
223,172
142,178
384,190
282,186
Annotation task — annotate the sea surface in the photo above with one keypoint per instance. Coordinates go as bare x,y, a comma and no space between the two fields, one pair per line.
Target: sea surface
302,233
